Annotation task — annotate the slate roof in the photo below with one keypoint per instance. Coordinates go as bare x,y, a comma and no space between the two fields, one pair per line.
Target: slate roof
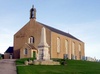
60,32
9,50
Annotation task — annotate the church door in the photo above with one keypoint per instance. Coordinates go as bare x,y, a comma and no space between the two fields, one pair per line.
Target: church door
34,54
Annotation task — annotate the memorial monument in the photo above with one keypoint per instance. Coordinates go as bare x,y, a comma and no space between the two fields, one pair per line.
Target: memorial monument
43,56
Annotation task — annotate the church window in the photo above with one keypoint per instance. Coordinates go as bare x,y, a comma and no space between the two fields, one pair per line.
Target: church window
79,51
73,51
66,46
25,51
31,40
73,48
79,47
58,45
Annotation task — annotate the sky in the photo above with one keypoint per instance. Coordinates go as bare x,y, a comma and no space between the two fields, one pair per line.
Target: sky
81,18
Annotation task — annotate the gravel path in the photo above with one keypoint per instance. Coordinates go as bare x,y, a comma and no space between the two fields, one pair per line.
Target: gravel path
7,66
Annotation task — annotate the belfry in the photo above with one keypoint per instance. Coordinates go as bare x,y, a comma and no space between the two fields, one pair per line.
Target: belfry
33,13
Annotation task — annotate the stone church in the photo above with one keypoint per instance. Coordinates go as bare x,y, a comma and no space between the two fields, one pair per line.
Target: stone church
60,44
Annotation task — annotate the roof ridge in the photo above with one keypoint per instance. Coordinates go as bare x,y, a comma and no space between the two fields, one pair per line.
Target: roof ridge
59,31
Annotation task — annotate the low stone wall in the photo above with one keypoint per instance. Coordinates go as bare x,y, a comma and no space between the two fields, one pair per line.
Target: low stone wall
28,62
47,62
42,62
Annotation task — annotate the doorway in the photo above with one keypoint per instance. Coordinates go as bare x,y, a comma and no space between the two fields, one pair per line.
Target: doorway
34,54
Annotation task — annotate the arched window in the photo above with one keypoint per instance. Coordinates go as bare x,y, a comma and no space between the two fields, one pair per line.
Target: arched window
66,46
25,51
73,48
58,45
79,47
31,40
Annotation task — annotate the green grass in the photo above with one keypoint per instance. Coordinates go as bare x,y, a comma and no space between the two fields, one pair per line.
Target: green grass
72,67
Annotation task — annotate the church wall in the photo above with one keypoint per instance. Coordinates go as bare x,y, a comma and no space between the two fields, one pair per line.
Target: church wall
54,45
83,50
22,52
76,51
31,29
54,53
19,41
22,55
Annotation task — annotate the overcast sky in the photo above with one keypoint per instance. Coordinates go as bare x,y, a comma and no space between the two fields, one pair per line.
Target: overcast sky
81,18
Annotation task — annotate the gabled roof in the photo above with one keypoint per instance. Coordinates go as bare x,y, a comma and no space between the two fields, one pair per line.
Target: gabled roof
60,32
9,50
30,45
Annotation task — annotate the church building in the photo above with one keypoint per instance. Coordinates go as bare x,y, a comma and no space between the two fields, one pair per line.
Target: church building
60,44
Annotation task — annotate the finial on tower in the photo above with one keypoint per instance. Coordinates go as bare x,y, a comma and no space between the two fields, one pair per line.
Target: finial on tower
32,13
32,6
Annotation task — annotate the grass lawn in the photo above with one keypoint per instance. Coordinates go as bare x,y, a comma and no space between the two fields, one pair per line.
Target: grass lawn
72,67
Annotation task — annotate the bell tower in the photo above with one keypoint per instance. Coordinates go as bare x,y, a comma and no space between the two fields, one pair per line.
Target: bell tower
32,13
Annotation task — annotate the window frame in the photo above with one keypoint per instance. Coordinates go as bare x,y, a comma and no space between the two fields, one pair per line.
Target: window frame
31,40
58,45
73,48
79,48
25,51
66,46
